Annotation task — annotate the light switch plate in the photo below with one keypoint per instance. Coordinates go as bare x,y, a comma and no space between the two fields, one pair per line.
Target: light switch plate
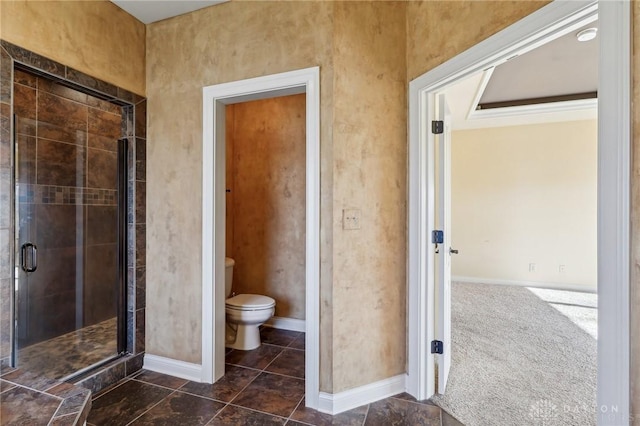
350,219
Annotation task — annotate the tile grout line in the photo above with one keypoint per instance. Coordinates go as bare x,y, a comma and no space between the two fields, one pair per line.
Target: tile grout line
134,378
299,422
76,415
143,370
364,421
154,384
242,390
114,387
7,390
243,366
283,375
55,412
183,385
19,385
282,349
150,408
280,374
265,369
174,391
216,413
201,396
296,408
294,340
258,411
428,404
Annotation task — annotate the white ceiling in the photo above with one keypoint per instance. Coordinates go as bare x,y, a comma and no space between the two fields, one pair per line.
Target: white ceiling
563,66
148,11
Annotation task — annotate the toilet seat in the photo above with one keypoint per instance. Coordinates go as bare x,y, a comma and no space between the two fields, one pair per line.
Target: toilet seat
249,302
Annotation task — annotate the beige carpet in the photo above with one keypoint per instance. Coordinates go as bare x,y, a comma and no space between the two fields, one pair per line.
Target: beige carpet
518,360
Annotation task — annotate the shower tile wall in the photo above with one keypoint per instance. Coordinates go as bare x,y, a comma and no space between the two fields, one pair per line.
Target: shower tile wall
73,204
94,149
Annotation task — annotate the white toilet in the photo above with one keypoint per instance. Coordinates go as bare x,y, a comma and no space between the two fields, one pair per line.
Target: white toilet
245,313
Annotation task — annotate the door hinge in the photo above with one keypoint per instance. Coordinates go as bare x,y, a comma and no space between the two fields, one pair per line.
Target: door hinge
436,346
437,127
437,237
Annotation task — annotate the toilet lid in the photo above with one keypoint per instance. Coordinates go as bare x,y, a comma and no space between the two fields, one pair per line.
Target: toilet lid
250,301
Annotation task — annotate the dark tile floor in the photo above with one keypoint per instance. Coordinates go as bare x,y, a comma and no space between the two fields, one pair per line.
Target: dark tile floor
260,387
31,399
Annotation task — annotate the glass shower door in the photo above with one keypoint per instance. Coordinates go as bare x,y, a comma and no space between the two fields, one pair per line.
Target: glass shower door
68,284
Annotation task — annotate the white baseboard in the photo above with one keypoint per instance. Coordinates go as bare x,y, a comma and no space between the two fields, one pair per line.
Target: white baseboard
173,367
552,286
343,401
291,324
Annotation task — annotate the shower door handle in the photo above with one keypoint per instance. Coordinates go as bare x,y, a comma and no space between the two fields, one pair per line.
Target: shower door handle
24,257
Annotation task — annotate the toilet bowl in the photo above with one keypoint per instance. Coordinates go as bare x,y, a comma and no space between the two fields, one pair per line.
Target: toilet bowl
245,313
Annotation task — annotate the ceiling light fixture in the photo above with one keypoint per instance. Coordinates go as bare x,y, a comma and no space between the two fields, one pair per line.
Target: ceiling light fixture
587,34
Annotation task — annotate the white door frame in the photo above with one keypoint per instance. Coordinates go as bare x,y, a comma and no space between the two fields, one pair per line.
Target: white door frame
213,214
614,158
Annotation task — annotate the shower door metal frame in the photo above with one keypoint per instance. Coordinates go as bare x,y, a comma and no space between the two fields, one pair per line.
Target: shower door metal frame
122,242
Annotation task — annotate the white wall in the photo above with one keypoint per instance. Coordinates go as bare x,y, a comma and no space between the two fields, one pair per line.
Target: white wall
526,194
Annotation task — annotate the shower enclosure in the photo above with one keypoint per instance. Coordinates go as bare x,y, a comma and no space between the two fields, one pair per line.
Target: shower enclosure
70,228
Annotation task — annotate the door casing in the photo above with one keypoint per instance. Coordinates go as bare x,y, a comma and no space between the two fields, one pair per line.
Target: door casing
614,159
213,215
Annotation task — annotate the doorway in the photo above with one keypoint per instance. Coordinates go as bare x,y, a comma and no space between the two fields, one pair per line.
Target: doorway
265,204
70,186
509,193
613,191
215,99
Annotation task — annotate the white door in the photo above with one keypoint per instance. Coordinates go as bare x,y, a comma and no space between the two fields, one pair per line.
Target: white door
443,250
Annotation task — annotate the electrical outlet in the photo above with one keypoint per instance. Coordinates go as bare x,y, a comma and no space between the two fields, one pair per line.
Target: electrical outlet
532,267
350,219
562,269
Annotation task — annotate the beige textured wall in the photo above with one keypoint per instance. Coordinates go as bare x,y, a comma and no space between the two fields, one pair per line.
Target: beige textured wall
266,233
526,194
230,195
183,55
95,37
439,30
370,168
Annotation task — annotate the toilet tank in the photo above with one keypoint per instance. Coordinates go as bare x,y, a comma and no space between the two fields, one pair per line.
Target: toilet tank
228,275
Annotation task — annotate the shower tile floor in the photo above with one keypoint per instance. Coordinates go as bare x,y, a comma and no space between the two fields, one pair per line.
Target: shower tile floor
64,355
260,387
